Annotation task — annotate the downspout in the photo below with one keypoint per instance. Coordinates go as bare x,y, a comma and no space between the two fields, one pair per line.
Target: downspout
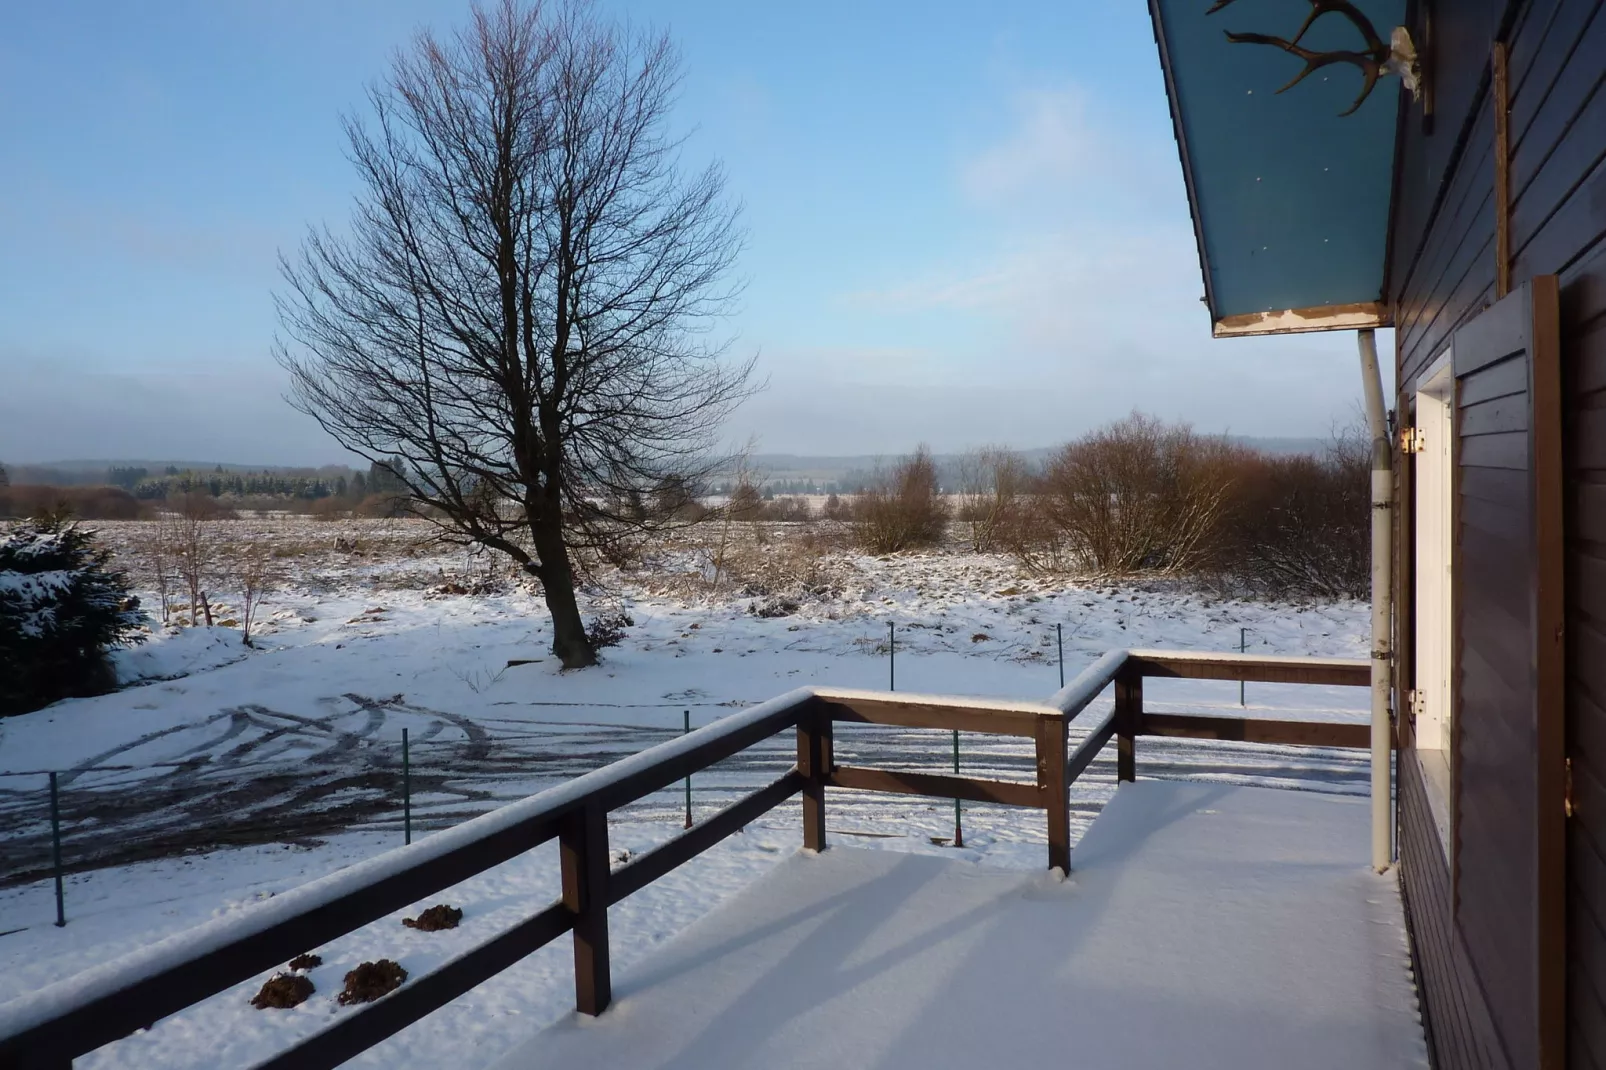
1382,597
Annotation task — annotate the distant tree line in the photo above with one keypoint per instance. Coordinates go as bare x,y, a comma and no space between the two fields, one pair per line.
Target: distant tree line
1137,497
254,484
770,488
129,492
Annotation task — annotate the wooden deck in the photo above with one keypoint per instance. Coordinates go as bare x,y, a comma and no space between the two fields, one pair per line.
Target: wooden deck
1204,926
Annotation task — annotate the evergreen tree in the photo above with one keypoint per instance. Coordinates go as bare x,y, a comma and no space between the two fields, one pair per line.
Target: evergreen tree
62,605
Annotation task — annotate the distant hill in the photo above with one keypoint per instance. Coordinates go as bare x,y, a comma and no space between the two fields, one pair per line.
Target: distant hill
804,473
782,472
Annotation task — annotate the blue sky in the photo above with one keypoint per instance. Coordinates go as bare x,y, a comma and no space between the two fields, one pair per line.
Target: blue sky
966,223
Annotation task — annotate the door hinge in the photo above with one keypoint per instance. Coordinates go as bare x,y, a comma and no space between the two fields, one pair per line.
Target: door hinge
1567,790
1412,440
1414,701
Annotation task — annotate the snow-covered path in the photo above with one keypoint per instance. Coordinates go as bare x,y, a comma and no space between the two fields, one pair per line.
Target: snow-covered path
1205,926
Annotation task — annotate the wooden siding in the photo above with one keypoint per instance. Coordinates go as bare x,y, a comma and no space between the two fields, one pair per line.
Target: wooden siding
1584,391
1558,181
1495,771
1459,1026
1442,271
1442,237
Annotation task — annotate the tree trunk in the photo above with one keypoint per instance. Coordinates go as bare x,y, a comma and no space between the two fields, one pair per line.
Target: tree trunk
569,642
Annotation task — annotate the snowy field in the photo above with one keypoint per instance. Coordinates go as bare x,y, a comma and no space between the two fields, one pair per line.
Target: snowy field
224,774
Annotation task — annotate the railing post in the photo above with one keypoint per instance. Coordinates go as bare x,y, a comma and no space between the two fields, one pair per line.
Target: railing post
1053,788
1128,719
583,850
814,762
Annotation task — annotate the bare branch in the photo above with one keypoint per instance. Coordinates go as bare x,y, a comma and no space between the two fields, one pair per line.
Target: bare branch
519,321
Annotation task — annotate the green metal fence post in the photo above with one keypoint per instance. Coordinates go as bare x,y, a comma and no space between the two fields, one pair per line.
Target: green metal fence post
892,656
55,850
1059,639
407,792
1242,646
959,828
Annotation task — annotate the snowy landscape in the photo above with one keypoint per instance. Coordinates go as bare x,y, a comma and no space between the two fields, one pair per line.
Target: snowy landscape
220,774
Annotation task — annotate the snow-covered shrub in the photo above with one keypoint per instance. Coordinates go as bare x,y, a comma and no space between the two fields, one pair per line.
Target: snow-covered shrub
62,605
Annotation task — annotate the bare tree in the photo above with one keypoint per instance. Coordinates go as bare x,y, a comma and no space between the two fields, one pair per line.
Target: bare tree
1140,495
158,558
252,568
185,530
993,483
519,322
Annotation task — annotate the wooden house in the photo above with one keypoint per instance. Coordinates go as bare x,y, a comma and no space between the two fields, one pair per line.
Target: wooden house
1440,168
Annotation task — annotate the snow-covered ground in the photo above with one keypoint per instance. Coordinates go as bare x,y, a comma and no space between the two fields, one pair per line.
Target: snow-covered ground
225,773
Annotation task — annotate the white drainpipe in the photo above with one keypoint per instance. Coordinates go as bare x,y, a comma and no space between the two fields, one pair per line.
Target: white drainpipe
1382,597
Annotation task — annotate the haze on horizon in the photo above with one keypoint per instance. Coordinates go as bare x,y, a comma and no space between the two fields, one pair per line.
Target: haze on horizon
963,227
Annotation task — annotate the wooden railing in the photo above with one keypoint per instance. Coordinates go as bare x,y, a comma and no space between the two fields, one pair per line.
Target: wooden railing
48,1028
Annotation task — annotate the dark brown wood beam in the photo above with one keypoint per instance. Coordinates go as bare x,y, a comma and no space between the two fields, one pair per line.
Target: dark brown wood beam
1053,788
1348,672
937,785
1257,730
949,714
813,734
646,868
583,855
1089,748
1128,714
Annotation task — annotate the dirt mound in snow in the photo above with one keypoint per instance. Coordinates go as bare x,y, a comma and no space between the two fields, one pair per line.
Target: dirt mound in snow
283,990
435,918
371,980
306,962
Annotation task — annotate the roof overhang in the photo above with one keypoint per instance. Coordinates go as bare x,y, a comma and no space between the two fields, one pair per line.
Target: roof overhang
1290,199
1352,317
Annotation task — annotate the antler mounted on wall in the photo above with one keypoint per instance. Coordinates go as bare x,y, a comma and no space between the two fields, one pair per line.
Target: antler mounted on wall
1376,60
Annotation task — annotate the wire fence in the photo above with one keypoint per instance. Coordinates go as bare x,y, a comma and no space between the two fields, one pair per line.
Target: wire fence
95,816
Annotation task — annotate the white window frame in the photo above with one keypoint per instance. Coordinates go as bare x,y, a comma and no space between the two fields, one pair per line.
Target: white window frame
1434,505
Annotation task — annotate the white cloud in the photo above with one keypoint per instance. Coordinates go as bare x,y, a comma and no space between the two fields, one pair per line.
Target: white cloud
1087,234
1051,143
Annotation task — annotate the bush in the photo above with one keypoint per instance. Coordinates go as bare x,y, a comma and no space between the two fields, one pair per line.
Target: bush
383,507
995,499
609,630
1300,525
62,605
746,503
1141,496
788,509
836,508
902,509
85,503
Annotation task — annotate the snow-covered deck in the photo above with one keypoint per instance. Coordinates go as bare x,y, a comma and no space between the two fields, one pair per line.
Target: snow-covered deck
1205,926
